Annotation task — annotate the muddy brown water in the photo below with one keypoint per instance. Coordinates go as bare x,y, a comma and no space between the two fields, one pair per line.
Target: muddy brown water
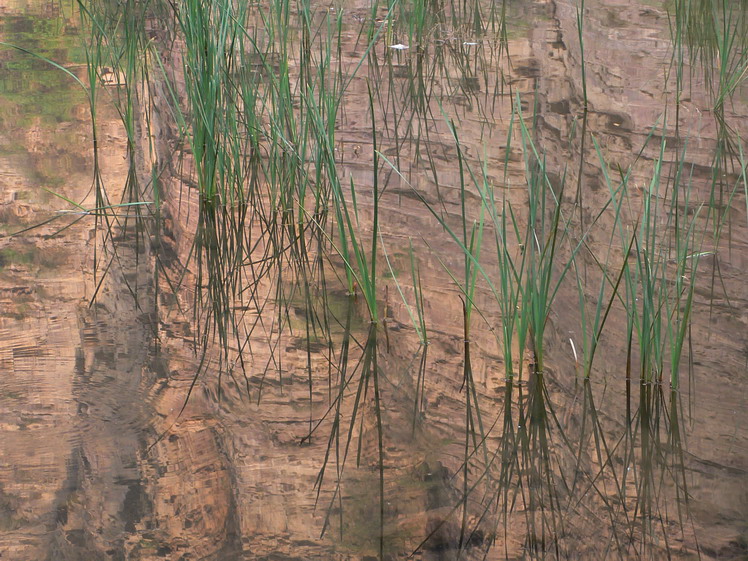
605,470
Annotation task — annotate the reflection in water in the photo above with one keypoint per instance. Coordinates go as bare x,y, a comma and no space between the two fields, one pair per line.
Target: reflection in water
444,429
73,408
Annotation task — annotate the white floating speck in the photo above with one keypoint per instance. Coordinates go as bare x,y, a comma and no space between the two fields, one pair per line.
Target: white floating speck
470,43
574,350
399,47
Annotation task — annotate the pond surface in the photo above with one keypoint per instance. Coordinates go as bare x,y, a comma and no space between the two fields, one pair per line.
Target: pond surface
100,457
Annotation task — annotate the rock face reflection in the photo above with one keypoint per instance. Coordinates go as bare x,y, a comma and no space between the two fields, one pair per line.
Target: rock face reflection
102,459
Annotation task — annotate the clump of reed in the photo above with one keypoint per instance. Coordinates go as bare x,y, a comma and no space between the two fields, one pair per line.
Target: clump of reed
258,114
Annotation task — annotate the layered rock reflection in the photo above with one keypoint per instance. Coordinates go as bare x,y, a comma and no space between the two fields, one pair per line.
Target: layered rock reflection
102,457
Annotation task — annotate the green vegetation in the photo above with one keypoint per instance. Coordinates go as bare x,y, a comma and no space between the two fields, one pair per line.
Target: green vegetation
32,92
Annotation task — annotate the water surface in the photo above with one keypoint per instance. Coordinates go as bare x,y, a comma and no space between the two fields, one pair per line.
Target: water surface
100,461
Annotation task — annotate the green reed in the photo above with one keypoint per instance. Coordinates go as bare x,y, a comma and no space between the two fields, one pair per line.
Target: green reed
265,90
661,261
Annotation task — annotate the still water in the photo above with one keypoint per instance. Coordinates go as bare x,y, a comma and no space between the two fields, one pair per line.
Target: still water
100,460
